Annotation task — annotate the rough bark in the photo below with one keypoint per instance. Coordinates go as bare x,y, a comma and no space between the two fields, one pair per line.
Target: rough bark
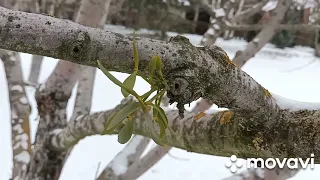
52,103
20,111
185,66
265,34
221,134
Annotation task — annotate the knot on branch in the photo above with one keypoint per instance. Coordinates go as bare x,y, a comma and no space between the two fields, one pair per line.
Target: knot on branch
184,90
180,39
79,46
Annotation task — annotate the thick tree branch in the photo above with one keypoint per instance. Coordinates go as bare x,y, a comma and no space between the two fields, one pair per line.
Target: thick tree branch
222,134
20,111
185,66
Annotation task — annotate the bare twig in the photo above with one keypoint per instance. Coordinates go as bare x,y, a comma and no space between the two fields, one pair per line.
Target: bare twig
35,68
97,171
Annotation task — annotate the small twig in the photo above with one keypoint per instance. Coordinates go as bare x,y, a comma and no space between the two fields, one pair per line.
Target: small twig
181,159
97,171
31,84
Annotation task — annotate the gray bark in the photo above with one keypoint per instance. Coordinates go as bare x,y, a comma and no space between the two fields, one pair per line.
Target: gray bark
221,134
20,111
51,103
84,45
35,69
47,163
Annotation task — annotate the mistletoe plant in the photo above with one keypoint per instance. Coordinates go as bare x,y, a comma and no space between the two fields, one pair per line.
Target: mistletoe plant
158,85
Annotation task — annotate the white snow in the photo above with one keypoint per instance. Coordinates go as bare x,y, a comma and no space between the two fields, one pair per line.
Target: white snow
18,128
24,156
56,131
270,6
12,58
292,73
219,12
14,114
22,141
256,40
216,26
210,31
16,88
23,100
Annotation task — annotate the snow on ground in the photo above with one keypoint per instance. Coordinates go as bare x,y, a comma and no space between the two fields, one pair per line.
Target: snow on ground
292,73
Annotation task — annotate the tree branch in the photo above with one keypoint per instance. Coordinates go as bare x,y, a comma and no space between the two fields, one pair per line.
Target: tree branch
35,68
222,134
250,11
20,111
84,45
